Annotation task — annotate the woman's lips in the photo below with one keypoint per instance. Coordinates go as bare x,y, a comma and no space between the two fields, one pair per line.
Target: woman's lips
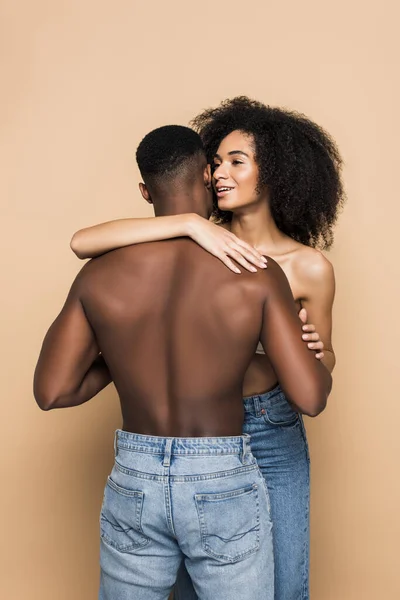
223,191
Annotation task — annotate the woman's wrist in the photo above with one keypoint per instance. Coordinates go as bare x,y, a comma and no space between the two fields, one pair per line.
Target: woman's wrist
190,223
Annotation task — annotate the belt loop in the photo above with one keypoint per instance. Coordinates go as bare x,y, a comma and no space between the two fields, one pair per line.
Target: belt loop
167,452
116,443
245,448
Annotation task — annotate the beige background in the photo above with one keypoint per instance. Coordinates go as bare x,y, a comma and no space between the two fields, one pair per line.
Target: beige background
82,82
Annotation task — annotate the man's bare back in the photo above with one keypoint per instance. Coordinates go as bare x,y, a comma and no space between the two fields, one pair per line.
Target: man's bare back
178,331
170,325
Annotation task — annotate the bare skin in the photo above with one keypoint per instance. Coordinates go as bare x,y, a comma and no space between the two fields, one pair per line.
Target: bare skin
312,283
158,326
308,271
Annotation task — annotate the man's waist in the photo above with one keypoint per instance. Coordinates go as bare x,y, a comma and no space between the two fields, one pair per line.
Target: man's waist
176,445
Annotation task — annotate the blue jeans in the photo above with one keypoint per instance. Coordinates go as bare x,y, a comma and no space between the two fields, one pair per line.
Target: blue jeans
198,500
278,441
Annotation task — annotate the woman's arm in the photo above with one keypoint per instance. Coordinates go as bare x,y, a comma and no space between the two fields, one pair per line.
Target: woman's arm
96,240
318,280
99,239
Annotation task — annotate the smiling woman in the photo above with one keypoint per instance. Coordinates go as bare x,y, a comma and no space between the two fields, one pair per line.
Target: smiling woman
236,173
298,162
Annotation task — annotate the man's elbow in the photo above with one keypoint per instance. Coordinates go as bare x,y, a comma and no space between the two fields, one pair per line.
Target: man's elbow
46,407
45,401
45,396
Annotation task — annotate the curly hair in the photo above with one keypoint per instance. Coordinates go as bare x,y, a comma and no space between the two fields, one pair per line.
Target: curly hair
298,161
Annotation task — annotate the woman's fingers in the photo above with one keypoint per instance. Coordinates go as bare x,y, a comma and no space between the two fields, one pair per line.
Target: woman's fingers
316,345
310,337
239,258
251,257
228,262
227,247
250,252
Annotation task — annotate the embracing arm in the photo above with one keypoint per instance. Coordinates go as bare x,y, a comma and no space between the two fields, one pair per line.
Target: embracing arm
305,381
70,370
96,240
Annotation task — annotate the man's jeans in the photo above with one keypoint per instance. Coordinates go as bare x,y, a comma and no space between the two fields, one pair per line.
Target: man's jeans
198,500
279,443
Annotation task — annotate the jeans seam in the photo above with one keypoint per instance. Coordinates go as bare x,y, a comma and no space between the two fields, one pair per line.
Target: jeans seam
305,591
186,478
293,420
266,491
193,452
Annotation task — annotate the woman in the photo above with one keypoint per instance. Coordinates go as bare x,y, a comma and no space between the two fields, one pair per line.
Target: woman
276,177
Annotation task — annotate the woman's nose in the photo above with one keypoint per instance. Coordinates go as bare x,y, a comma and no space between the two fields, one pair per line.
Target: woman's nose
220,172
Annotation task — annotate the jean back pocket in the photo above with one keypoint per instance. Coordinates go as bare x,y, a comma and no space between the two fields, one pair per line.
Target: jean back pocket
121,518
230,523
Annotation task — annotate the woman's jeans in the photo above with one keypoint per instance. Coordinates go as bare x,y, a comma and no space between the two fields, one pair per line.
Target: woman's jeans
199,499
278,442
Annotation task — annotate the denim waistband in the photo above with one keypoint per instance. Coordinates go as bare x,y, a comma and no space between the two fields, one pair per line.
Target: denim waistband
252,403
179,445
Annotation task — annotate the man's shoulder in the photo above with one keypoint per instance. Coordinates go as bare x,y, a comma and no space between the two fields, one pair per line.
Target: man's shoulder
122,255
137,256
154,247
270,280
106,272
274,271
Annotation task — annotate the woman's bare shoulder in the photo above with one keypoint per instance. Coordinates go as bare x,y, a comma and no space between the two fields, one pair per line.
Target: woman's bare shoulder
312,263
315,261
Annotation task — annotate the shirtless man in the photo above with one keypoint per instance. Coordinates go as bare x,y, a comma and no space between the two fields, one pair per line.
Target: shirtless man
177,340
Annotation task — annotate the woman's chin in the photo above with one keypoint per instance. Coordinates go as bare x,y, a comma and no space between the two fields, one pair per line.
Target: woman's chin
237,207
226,205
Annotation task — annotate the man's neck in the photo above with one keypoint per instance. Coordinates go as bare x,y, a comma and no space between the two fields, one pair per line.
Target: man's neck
178,204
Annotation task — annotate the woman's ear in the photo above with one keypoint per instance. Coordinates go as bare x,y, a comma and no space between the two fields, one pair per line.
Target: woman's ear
145,193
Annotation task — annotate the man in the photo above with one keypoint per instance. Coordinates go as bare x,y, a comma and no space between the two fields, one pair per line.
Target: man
176,331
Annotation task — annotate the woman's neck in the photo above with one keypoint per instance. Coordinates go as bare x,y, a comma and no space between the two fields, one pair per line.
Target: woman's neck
257,227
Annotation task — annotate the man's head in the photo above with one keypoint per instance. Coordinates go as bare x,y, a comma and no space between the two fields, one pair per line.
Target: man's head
173,164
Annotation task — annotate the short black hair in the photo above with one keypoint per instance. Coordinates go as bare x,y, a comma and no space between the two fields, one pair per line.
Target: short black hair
298,161
168,152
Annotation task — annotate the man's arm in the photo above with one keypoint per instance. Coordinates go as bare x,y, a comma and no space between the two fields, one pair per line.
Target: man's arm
305,381
70,370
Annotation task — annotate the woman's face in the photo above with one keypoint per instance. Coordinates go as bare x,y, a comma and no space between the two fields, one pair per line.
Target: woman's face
235,172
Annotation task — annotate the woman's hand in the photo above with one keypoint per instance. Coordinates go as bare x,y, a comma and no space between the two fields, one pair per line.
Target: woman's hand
225,245
311,336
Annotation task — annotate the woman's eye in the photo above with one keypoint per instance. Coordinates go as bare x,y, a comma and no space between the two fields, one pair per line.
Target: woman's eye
237,162
214,166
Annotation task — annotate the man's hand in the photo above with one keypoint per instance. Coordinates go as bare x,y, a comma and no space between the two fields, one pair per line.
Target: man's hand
223,244
311,336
